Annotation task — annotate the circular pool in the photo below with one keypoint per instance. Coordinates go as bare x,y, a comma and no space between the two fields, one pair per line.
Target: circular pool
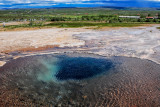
79,80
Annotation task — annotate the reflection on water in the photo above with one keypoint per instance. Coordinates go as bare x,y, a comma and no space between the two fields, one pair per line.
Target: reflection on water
80,80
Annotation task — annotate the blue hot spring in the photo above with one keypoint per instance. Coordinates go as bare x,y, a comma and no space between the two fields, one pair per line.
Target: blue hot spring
78,68
79,79
63,68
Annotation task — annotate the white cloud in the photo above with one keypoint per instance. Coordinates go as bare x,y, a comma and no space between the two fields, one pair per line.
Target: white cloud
64,1
154,0
38,1
28,3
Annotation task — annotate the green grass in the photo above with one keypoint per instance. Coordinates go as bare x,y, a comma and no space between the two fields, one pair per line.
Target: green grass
47,14
158,27
20,26
89,24
75,25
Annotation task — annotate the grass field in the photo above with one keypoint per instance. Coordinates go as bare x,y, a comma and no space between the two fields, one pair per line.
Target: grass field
77,17
47,14
87,24
74,25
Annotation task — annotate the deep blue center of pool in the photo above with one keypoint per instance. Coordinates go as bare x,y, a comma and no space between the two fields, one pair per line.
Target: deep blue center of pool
78,68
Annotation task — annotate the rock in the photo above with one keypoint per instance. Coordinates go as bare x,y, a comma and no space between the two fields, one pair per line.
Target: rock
2,63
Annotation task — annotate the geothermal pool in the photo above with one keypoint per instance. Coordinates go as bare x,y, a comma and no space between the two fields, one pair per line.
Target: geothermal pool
69,80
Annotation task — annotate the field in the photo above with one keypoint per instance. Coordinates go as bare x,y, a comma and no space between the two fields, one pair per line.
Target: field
77,17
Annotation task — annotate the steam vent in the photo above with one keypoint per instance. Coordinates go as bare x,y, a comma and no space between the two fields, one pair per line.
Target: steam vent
80,80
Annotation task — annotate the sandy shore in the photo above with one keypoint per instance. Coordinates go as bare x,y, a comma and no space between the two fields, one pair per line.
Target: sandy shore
141,42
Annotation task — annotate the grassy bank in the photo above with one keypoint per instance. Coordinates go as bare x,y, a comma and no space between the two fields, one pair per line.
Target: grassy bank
73,25
158,27
89,24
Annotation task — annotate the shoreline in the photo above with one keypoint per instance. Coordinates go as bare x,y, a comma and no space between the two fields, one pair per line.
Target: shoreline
106,42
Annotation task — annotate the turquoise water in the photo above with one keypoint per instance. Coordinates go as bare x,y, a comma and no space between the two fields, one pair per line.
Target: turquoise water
49,71
64,68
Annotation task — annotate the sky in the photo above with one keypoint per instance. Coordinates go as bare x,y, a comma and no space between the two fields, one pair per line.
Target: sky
9,4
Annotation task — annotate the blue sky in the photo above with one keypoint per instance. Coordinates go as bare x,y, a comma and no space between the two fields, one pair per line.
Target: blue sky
76,3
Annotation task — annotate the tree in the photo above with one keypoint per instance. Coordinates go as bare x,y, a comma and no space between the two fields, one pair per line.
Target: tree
31,23
142,16
138,20
158,15
149,14
147,20
154,20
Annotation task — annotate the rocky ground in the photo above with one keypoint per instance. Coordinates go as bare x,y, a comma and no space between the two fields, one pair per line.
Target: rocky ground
141,42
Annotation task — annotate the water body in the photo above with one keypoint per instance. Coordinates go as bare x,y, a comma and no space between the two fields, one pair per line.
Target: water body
80,80
78,68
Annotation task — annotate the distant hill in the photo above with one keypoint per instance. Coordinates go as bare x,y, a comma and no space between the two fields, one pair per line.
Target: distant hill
128,8
101,7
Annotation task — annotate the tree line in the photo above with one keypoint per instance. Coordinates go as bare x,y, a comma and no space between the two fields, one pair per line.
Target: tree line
106,18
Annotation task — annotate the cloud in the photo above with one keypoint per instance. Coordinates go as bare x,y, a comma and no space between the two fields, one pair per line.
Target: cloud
76,3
